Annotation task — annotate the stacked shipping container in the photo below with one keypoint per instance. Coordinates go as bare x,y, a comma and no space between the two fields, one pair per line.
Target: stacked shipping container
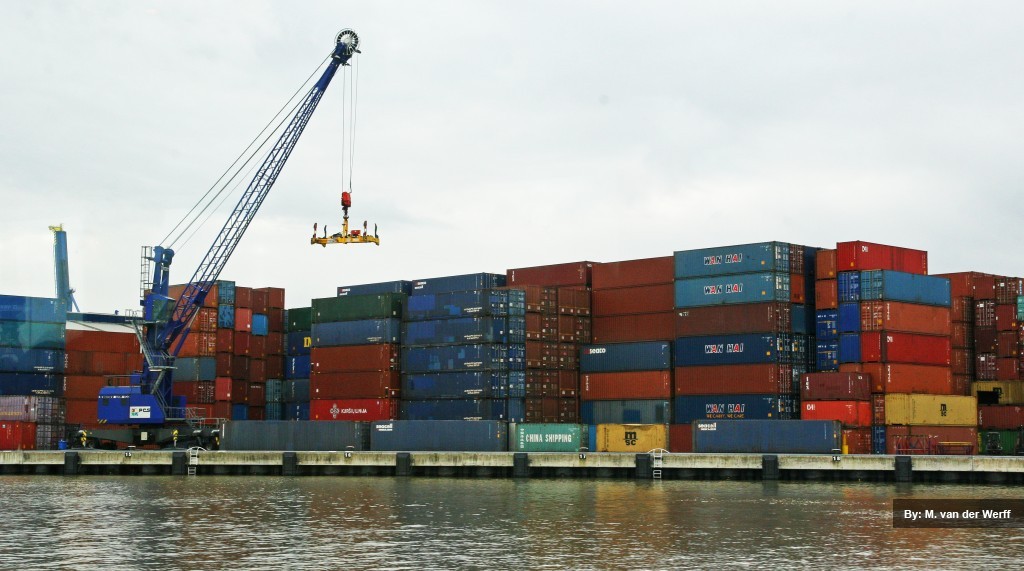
98,355
298,344
626,383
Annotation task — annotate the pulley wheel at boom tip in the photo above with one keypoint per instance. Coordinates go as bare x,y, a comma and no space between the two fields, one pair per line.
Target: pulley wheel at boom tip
349,38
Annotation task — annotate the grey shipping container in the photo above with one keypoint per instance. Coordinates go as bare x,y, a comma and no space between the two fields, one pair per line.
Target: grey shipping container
439,436
295,435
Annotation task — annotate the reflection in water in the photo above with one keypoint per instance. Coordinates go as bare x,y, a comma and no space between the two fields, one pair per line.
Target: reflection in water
417,523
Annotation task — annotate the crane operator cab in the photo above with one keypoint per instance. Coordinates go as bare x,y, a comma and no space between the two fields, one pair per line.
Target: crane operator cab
346,236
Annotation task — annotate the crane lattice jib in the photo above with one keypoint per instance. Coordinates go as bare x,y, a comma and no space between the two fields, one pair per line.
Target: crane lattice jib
217,257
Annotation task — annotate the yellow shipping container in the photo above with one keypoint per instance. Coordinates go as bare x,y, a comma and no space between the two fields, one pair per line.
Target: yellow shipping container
1009,392
631,437
941,410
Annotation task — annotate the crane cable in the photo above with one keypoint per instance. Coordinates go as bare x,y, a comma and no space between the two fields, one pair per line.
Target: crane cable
349,103
206,196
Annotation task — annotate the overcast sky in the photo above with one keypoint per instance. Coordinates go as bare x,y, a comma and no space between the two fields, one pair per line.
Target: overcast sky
493,135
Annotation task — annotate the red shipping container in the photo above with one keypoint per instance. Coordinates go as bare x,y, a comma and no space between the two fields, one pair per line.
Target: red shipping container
222,409
628,300
568,410
541,383
1000,417
568,356
243,320
257,395
986,340
274,343
542,354
631,273
931,440
257,346
243,298
199,344
962,310
835,386
826,294
985,286
195,392
573,301
17,435
222,388
1007,290
540,299
357,385
904,378
175,292
543,409
568,384
850,413
83,411
733,379
630,328
626,386
1006,317
256,412
260,299
680,438
856,441
542,327
206,320
257,370
797,289
962,336
868,256
963,284
275,297
878,410
240,367
904,317
93,341
567,274
225,364
81,363
351,358
275,320
825,265
985,314
986,366
1007,369
353,409
275,367
84,387
1008,344
895,347
239,391
225,340
734,319
243,343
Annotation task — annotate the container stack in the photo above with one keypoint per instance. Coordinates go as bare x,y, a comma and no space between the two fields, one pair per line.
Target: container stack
98,355
195,372
826,304
1000,416
743,333
558,305
463,350
633,301
355,342
967,288
894,326
32,340
626,383
843,398
295,386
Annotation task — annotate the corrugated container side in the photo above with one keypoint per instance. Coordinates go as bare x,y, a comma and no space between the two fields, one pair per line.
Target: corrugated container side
636,438
1001,417
733,349
463,358
900,286
467,282
17,435
548,437
295,436
358,308
733,379
567,274
351,358
905,378
353,409
891,346
826,294
626,385
849,318
625,412
399,286
825,267
835,386
998,392
680,438
370,331
733,407
633,328
729,289
767,436
772,317
631,273
930,439
355,385
610,358
299,319
629,300
849,413
827,325
737,259
476,303
464,330
939,410
439,436
848,285
508,410
464,385
857,440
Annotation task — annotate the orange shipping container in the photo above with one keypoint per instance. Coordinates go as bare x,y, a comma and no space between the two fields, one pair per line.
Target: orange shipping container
904,317
826,294
84,387
631,328
626,386
904,378
850,413
825,265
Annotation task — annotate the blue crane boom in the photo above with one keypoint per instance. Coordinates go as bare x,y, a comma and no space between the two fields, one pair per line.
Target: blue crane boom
168,321
61,278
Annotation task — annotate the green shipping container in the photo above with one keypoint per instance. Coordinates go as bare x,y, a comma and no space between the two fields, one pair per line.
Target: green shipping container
548,437
1020,308
1007,442
31,335
299,319
358,307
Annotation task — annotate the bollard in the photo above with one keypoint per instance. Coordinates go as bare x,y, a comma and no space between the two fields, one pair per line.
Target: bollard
289,464
403,464
179,463
904,469
644,467
71,462
520,465
769,467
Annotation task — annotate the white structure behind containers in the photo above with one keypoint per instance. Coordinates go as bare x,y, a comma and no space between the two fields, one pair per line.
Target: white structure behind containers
744,333
463,350
32,339
355,340
558,322
891,327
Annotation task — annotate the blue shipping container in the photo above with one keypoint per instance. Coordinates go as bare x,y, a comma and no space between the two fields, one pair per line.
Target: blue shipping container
31,384
226,316
740,288
273,411
740,259
468,282
878,439
297,367
733,407
16,360
849,286
464,358
364,332
849,348
827,326
194,369
768,436
621,357
225,292
15,308
508,410
400,286
828,355
296,411
803,318
464,384
239,412
31,335
849,318
260,324
900,286
464,330
274,390
477,303
747,349
299,342
295,391
626,412
439,436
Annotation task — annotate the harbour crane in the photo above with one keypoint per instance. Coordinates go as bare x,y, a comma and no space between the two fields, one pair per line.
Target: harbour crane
145,402
62,280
